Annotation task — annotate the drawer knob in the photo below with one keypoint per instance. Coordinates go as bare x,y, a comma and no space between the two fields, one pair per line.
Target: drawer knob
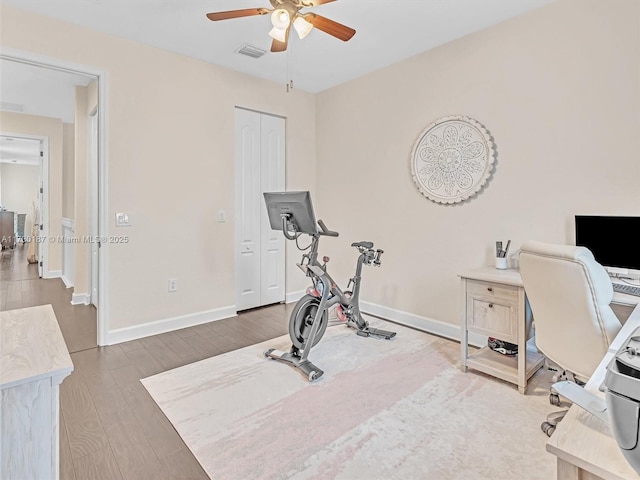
490,289
491,305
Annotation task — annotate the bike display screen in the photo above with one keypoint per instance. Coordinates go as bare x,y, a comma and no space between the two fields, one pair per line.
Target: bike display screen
298,207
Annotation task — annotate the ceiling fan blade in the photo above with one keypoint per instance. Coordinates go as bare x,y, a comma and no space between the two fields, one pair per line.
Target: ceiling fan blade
278,46
247,12
335,29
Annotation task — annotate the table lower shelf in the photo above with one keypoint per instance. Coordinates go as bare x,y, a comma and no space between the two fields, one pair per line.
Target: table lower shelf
501,366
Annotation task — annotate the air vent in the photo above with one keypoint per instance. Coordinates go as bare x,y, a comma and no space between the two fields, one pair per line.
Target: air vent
13,107
251,51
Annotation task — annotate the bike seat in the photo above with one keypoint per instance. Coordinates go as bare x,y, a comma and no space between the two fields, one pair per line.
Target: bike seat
362,244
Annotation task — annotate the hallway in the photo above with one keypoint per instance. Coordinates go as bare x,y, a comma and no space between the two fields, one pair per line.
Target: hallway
21,287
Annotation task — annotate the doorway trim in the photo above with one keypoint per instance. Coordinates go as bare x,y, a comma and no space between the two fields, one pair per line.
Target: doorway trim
43,246
93,208
57,64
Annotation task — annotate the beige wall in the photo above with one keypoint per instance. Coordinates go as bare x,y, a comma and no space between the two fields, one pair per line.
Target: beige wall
559,90
19,188
170,164
68,168
51,128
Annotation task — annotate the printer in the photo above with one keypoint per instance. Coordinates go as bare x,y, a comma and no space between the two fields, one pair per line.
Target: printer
622,395
621,405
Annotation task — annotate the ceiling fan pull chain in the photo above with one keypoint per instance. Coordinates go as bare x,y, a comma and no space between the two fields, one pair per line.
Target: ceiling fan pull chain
289,70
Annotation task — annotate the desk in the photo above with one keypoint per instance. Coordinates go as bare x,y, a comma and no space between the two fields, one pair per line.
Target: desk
494,304
584,444
623,304
33,362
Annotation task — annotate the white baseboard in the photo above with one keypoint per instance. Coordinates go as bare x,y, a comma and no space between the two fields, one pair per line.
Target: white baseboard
424,324
168,324
67,282
80,298
294,296
428,325
52,274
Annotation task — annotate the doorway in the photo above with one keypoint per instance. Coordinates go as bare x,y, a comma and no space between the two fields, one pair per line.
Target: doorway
24,167
51,72
259,167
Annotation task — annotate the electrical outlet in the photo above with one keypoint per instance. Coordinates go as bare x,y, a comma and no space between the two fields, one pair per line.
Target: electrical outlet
173,285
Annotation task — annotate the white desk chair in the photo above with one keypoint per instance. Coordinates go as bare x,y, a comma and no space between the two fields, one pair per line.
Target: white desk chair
569,293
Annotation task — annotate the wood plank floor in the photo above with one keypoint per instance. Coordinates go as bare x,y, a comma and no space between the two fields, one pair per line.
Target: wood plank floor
110,426
21,287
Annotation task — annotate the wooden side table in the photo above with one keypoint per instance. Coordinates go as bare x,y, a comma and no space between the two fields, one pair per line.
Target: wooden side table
34,361
494,303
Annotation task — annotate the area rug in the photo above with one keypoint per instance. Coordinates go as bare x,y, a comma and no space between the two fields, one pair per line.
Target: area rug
384,409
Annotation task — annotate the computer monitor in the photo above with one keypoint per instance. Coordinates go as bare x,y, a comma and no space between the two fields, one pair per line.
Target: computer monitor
612,240
295,204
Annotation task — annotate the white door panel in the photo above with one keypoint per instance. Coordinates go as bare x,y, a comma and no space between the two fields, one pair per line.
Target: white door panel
247,231
260,157
273,180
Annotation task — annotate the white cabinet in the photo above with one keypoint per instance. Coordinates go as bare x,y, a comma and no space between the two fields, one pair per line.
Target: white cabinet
33,362
494,304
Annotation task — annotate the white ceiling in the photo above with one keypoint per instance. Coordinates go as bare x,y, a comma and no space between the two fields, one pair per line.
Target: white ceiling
39,91
21,151
387,31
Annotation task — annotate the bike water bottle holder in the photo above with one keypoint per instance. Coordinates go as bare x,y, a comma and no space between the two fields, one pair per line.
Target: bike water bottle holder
376,261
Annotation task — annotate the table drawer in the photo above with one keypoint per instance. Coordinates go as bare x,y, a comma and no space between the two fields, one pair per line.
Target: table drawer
492,291
492,317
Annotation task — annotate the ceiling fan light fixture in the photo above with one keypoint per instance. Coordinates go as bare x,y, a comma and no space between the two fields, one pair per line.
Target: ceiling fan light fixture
302,27
280,19
278,34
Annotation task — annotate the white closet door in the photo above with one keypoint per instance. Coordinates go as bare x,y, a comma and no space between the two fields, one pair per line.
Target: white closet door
260,157
273,176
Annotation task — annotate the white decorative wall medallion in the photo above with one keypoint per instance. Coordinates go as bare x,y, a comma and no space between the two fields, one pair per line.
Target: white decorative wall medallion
452,159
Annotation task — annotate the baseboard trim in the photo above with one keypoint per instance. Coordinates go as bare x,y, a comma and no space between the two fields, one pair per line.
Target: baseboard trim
424,324
80,299
294,296
168,325
66,281
428,325
52,274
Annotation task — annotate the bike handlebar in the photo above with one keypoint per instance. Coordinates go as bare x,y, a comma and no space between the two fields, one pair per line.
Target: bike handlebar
326,231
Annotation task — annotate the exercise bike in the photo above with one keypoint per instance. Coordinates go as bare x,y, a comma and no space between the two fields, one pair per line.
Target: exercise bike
310,317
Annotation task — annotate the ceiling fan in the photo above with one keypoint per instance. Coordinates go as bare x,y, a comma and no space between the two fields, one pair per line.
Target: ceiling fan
286,13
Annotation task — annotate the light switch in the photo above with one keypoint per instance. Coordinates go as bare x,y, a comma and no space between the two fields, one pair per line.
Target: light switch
222,216
122,220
